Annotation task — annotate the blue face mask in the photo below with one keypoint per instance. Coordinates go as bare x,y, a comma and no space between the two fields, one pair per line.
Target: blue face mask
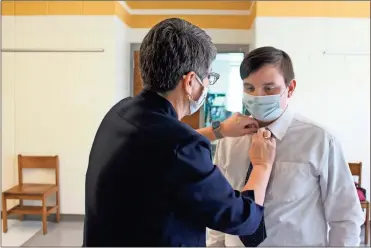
263,108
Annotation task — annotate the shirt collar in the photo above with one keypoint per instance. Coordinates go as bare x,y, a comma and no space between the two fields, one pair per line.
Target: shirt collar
158,103
279,127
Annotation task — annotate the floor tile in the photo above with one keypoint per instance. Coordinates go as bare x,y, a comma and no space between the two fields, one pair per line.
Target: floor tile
59,234
19,232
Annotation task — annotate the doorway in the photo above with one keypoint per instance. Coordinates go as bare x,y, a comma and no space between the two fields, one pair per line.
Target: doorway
224,98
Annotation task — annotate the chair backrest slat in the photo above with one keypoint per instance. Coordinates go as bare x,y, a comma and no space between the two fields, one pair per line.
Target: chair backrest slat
356,170
38,162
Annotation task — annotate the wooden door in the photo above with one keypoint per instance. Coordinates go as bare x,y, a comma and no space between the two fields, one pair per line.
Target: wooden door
193,120
138,86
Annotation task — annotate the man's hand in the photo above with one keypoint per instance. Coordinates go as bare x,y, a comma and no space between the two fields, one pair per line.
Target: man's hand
239,125
263,149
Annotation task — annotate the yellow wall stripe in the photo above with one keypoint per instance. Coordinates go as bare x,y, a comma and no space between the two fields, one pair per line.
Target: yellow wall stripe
260,8
7,8
123,14
341,9
99,8
115,8
19,8
211,21
30,8
210,5
61,8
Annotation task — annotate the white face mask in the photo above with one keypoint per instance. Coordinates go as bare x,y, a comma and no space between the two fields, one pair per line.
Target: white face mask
196,105
263,108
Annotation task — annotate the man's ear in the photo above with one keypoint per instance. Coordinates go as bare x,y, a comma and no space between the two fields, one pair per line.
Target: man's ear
291,88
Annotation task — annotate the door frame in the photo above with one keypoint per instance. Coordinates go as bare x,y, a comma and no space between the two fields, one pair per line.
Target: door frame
222,48
133,47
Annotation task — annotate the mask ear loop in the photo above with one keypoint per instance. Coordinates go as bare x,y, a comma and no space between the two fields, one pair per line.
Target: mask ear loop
284,92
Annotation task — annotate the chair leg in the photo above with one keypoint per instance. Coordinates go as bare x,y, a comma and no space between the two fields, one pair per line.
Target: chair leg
5,214
58,213
44,215
21,215
367,225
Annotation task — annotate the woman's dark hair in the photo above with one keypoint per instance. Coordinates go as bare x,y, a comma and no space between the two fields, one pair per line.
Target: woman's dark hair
171,49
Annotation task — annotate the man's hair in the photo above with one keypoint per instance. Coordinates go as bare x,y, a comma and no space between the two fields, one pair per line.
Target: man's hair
171,49
262,56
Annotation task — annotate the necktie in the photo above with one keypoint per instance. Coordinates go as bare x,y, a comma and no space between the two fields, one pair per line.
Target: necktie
260,234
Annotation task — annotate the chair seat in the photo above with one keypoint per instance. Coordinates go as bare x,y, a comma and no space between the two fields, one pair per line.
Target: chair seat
30,189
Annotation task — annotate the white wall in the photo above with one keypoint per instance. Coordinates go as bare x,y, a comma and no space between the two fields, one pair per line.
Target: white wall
57,100
334,88
8,111
52,103
252,45
122,60
219,36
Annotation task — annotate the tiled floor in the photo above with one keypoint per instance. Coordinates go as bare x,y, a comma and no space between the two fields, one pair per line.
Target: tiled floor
29,233
19,232
63,234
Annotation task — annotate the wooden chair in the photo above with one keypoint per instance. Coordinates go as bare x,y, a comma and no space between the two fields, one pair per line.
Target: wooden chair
356,169
33,191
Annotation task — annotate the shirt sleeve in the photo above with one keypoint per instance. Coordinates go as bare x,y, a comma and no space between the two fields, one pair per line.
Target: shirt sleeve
216,238
203,189
342,206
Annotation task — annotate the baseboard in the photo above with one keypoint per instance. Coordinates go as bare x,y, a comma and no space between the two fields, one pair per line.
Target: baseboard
51,217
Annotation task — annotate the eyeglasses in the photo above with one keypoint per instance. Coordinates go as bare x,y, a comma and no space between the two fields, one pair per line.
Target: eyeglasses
212,77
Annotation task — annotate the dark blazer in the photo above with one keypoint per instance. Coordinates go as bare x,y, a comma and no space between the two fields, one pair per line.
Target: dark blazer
151,182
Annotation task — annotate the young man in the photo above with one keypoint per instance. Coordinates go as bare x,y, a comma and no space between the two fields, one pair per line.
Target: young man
311,199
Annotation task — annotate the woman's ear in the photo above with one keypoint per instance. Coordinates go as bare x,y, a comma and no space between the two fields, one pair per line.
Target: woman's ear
188,82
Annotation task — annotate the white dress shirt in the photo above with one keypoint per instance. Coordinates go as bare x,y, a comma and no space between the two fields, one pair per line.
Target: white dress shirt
311,199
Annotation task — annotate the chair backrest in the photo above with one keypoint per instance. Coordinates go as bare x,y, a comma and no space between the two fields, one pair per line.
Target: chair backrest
356,169
38,162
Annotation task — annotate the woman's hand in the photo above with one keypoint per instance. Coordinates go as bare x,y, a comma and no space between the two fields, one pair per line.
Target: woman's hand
238,125
263,149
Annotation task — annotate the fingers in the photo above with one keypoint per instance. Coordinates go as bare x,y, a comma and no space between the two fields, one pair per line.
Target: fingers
261,131
266,134
252,125
273,142
250,130
247,121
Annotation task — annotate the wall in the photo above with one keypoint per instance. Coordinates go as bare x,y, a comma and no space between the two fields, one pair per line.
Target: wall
122,61
54,102
332,88
219,36
8,111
